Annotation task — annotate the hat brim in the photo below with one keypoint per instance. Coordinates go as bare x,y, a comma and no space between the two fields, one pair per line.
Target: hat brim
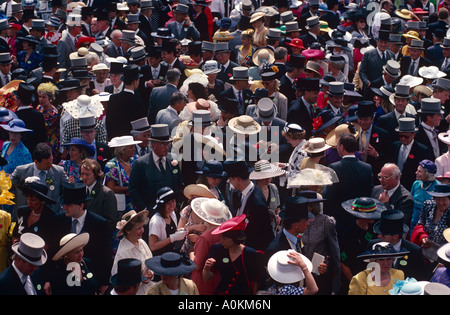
367,256
197,207
283,276
78,240
374,215
232,126
16,129
154,264
274,172
376,228
142,213
29,190
332,121
195,190
40,262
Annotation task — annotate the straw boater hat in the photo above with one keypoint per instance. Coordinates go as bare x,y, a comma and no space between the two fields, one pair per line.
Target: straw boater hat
30,248
69,243
316,145
129,218
211,210
244,124
263,169
282,271
198,190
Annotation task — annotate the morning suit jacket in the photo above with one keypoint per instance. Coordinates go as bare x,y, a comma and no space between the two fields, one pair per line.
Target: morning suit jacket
246,96
11,284
159,99
103,202
286,88
434,54
422,137
228,73
415,266
35,121
406,62
4,47
355,180
56,177
299,114
99,249
123,108
371,67
146,179
145,25
389,122
309,39
401,200
259,230
112,51
168,116
190,33
418,152
65,47
380,140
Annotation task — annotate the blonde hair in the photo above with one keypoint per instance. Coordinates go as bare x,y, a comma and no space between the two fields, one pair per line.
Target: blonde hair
47,88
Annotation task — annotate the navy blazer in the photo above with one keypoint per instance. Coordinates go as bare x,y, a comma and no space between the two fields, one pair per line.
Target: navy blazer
246,96
11,284
159,99
389,122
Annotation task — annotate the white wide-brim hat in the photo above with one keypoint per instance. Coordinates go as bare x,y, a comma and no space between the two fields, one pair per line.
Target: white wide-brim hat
84,106
282,271
122,141
211,210
69,242
244,124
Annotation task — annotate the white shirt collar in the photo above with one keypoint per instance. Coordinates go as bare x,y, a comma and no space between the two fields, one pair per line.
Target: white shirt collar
81,221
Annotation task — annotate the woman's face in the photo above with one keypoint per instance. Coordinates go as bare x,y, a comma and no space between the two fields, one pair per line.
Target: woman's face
442,203
75,255
170,206
34,203
129,151
291,141
75,153
15,137
226,242
136,232
213,182
43,99
421,174
385,264
265,181
245,40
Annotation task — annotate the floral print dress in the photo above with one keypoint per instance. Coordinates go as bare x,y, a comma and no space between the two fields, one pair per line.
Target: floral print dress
51,127
71,169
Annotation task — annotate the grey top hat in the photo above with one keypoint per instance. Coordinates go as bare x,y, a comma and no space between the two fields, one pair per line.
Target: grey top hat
4,24
201,117
386,20
78,62
16,7
336,88
129,36
31,248
146,4
133,18
446,42
274,33
5,58
38,24
160,133
430,106
315,3
210,66
442,83
87,123
416,44
402,91
413,25
266,109
287,16
406,124
395,39
240,73
140,125
182,8
137,53
392,68
291,27
208,46
221,46
423,25
312,22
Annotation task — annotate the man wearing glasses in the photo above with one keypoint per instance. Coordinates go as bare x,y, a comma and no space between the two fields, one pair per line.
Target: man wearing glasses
392,193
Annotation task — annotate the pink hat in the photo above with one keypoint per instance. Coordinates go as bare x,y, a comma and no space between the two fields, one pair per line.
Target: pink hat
236,223
313,54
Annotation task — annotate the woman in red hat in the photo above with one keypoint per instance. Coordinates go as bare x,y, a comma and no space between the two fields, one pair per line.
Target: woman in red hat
239,266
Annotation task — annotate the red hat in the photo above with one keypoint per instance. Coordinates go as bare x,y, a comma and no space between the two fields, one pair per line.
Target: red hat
296,42
313,54
419,11
84,39
236,223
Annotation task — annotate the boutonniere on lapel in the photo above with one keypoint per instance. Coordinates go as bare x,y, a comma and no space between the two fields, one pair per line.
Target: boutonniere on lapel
411,156
185,26
99,156
49,182
377,139
174,163
230,75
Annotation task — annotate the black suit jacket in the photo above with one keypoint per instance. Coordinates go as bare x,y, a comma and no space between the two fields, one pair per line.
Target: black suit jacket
286,88
417,153
228,73
35,121
99,249
10,283
119,117
308,40
246,96
422,137
406,62
389,122
355,180
299,114
381,142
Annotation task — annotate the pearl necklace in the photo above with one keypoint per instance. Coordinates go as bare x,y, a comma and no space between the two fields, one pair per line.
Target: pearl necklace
36,214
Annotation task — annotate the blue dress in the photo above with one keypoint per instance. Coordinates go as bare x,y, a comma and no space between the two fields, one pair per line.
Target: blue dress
19,156
420,195
33,61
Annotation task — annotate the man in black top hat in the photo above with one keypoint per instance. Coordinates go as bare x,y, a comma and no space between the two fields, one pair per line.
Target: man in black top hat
33,119
76,219
119,117
115,75
294,68
169,56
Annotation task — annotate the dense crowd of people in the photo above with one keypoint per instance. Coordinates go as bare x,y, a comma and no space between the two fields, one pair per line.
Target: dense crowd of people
208,147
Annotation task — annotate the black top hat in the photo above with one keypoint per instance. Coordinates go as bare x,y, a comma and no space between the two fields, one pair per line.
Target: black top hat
69,84
116,67
307,84
296,61
129,272
25,93
391,223
295,208
195,48
213,169
236,168
37,188
366,109
383,35
228,105
131,72
310,195
49,51
81,74
74,193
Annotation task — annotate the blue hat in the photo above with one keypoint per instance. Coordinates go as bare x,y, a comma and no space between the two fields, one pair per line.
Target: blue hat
16,125
80,142
429,166
213,169
440,190
170,264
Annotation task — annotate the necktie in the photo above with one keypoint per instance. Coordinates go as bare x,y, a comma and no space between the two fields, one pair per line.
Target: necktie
383,57
26,282
116,90
74,226
402,157
42,176
412,67
444,64
298,244
223,68
88,192
161,166
241,102
143,152
363,140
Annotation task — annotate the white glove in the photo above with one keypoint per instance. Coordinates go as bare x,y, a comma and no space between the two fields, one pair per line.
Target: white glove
178,236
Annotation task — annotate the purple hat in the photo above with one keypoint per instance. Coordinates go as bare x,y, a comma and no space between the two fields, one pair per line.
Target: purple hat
429,166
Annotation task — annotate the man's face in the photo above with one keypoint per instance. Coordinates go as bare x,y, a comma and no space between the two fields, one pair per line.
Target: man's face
415,53
45,164
365,122
382,44
241,84
5,69
160,148
88,135
167,56
87,176
115,78
144,137
434,120
400,104
336,100
406,137
387,178
446,52
311,96
154,61
222,57
73,210
179,17
442,95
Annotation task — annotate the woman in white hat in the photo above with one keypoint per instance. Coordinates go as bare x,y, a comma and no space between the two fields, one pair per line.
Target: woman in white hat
73,273
295,136
288,270
118,169
212,213
131,226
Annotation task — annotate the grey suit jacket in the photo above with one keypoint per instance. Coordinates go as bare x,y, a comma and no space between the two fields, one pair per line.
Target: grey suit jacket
401,200
191,32
159,99
168,116
371,67
56,177
65,47
103,202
